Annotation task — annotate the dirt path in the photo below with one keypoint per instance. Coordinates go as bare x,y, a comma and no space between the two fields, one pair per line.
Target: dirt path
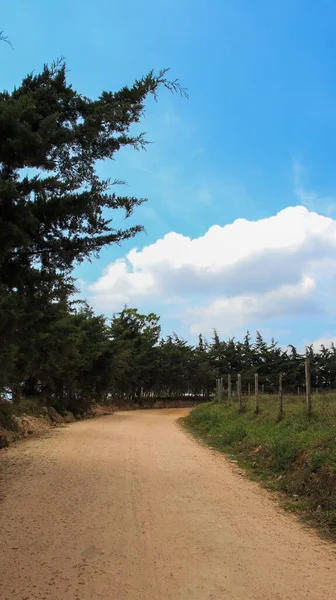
129,507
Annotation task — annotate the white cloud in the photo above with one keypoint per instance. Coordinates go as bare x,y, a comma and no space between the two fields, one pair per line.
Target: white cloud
233,275
118,285
324,341
231,314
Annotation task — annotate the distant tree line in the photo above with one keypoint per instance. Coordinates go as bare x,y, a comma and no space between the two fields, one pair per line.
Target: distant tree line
74,358
269,360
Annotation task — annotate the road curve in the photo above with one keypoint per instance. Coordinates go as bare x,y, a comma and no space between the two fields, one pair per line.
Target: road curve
130,507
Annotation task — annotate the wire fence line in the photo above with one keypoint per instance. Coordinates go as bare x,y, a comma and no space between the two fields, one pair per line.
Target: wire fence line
227,390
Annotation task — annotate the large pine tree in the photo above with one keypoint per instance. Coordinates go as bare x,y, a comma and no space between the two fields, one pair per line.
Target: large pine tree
55,210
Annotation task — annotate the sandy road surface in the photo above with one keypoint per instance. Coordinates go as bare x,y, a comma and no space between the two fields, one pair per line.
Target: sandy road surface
129,507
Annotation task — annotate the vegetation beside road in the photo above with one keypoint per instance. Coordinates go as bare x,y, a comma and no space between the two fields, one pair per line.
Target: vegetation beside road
295,454
29,417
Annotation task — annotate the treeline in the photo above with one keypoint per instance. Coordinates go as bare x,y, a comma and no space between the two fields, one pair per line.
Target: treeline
68,357
269,360
73,358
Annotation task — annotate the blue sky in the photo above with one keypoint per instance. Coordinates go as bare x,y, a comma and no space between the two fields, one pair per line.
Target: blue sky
258,135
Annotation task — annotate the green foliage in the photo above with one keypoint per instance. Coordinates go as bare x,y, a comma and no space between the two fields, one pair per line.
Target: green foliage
6,417
55,211
8,411
296,455
134,338
283,452
27,406
58,210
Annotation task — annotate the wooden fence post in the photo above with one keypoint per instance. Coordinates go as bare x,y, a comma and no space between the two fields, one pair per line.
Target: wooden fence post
280,396
256,392
229,389
308,386
249,389
239,392
221,390
298,392
263,389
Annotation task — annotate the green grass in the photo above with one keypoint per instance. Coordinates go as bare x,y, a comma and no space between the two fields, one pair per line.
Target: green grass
295,454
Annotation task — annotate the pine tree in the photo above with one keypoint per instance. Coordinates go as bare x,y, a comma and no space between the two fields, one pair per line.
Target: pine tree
54,207
55,210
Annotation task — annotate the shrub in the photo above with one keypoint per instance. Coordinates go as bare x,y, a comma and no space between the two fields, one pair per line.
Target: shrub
6,416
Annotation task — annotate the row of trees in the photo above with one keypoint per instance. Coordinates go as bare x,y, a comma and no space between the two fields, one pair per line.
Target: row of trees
269,360
74,358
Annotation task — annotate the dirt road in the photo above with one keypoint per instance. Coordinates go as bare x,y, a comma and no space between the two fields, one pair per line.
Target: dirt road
130,507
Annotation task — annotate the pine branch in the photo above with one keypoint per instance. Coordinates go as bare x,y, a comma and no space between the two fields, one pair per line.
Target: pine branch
4,38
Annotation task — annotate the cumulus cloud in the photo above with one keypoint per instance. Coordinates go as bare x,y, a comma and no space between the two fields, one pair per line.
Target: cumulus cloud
233,313
231,276
327,342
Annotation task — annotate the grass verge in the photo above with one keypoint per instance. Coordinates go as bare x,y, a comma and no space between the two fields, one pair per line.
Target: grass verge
294,454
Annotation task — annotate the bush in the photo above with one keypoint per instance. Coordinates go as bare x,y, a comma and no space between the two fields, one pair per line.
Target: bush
27,406
6,416
9,410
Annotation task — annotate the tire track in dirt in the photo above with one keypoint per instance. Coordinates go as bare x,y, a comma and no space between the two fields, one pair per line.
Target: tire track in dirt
130,507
